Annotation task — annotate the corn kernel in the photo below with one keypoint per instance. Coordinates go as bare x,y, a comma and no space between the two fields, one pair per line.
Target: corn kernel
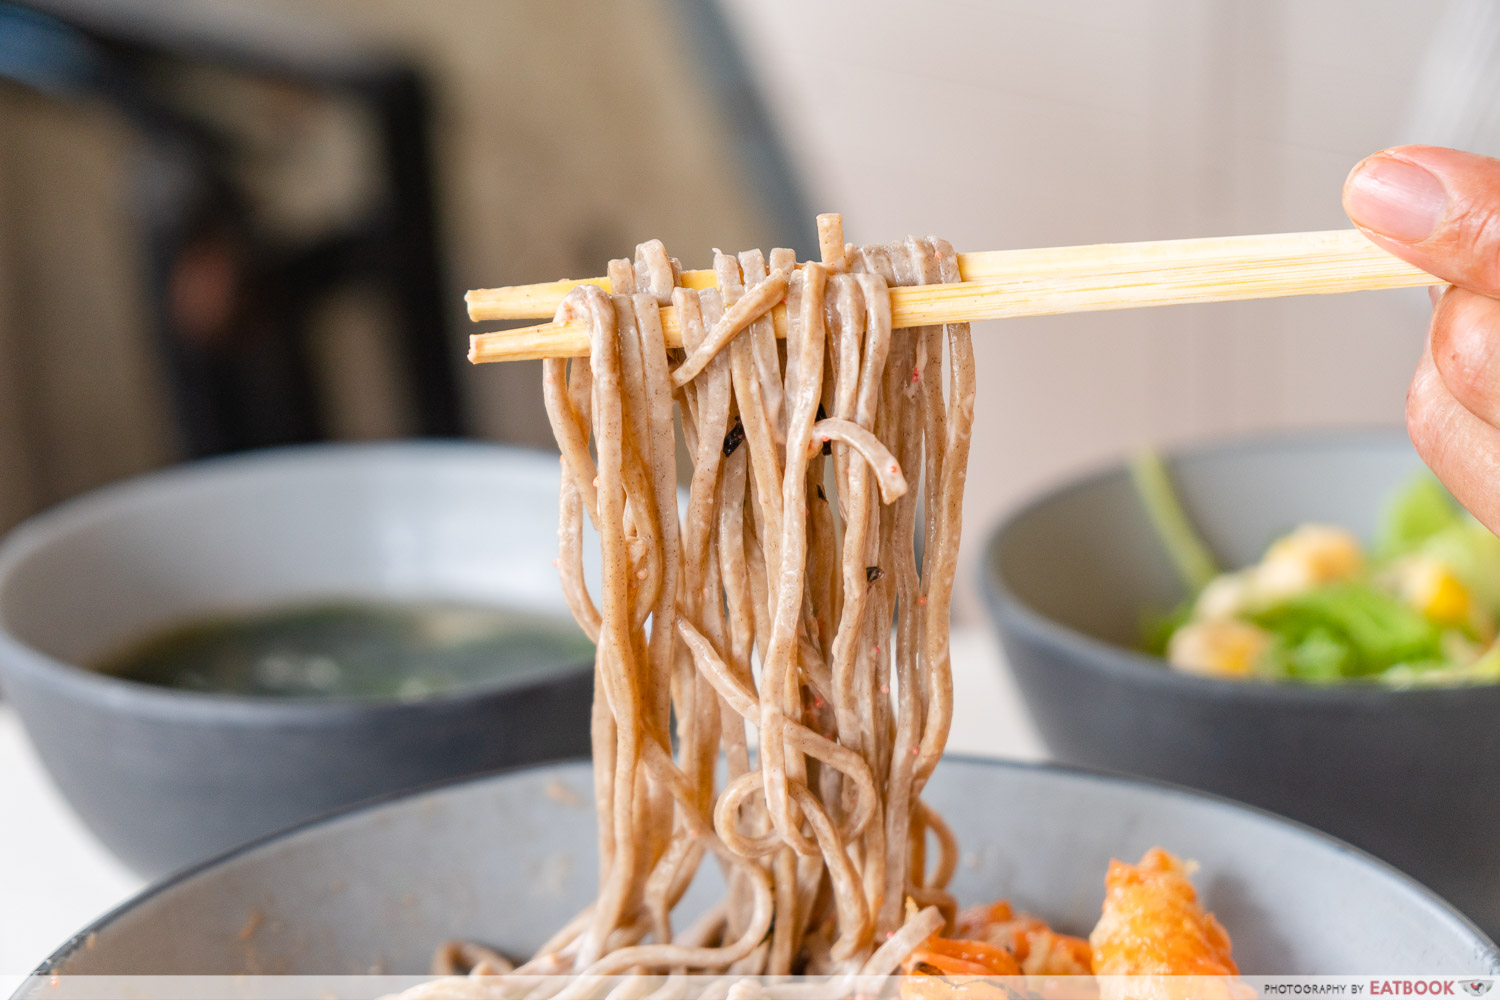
1312,555
1222,648
1434,590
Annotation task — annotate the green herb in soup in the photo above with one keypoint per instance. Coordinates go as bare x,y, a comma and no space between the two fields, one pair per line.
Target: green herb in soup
362,650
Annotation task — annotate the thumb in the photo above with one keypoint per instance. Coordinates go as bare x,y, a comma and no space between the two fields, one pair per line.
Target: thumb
1436,208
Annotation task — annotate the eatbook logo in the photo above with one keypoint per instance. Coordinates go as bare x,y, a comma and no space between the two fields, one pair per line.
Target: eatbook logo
1476,987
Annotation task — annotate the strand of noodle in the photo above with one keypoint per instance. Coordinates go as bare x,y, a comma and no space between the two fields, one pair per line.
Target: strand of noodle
669,880
727,810
753,964
900,423
568,426
784,933
889,956
740,624
922,256
739,697
663,465
668,955
813,913
456,958
615,656
831,242
651,505
565,936
947,846
804,371
899,564
938,899
758,300
570,558
939,592
819,595
851,662
855,926
716,403
923,448
762,342
736,580
656,274
752,387
887,471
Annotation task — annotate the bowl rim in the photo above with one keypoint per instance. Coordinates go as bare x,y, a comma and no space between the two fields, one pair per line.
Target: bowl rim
1489,950
1011,612
212,707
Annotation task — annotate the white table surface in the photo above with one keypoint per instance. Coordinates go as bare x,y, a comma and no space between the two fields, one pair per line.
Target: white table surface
55,878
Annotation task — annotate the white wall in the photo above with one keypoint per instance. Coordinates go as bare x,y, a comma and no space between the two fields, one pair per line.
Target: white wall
1013,123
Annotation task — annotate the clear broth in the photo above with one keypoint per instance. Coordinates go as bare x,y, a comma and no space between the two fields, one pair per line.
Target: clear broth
353,650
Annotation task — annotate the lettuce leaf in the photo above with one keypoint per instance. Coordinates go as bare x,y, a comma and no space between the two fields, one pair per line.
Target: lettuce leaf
1346,630
1418,511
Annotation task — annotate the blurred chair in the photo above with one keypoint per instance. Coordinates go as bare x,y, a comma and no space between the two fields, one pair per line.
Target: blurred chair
232,298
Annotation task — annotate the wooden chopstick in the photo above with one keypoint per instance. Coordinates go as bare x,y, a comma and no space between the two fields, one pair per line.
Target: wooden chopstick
1013,283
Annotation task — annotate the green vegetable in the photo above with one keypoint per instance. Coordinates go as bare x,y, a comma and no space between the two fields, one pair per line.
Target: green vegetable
1421,509
1357,630
1189,555
1472,552
1157,628
1485,670
1347,630
1319,655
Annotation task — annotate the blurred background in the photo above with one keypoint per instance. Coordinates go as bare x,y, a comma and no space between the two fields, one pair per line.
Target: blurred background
227,224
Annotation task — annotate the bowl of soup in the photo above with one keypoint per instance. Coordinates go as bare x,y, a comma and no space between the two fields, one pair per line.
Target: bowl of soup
207,654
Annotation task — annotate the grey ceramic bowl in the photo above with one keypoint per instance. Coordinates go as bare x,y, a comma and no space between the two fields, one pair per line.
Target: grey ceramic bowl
167,777
508,859
1411,776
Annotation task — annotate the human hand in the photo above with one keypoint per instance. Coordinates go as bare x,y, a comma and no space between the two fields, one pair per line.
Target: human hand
1440,210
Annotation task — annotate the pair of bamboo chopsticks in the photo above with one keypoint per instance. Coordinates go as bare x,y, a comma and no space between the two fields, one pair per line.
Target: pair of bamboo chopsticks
1001,284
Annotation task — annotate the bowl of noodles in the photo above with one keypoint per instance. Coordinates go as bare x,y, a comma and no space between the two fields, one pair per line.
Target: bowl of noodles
506,861
1359,705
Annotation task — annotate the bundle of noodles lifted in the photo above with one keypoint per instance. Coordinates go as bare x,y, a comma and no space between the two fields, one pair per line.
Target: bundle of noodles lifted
756,627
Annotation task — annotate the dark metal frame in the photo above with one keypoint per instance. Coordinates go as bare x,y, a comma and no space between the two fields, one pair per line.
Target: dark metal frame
256,385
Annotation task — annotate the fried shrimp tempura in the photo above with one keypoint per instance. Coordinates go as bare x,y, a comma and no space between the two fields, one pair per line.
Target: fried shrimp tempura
1154,941
1153,927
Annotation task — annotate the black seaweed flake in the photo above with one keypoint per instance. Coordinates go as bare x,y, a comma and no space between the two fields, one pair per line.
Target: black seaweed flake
734,438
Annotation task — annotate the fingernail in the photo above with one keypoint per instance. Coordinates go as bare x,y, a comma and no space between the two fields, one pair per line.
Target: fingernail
1395,199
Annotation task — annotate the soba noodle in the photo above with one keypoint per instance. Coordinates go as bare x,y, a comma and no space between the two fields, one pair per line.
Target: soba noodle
789,627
